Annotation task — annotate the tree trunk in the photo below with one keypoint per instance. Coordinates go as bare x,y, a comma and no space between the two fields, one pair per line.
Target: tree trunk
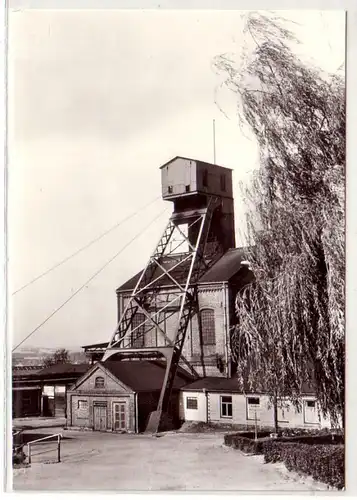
275,408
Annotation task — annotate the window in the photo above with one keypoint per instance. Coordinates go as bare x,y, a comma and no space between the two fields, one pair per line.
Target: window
82,405
208,327
137,335
226,406
99,382
310,404
187,188
253,401
205,178
191,403
169,189
223,182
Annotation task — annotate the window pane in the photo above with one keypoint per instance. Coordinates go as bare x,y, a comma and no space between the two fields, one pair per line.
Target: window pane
253,401
137,336
226,406
208,327
310,404
191,403
99,382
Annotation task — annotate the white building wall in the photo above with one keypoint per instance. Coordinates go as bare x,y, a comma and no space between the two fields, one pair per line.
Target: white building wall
199,415
209,409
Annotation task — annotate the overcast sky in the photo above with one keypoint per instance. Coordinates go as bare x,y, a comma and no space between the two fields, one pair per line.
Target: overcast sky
98,100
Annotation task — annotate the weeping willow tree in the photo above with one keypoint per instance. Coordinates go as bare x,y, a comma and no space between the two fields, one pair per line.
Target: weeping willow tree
290,321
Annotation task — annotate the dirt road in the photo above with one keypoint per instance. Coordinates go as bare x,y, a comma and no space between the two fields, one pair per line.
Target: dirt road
174,461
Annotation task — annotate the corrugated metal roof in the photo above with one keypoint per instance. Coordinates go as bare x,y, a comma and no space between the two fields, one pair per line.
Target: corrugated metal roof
144,375
223,270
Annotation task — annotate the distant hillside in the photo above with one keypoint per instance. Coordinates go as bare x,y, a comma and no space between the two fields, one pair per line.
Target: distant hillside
29,356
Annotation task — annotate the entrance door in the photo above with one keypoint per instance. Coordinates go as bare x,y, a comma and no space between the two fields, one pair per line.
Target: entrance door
310,412
100,417
119,416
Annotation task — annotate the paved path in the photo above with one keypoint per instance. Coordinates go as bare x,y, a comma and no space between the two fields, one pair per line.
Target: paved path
174,461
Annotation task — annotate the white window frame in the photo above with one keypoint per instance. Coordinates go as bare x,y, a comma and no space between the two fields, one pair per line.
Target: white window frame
230,404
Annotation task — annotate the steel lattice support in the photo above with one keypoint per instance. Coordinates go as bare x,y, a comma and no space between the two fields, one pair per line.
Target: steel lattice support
181,276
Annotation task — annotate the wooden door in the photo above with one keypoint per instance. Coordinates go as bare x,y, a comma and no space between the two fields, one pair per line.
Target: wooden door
119,416
100,417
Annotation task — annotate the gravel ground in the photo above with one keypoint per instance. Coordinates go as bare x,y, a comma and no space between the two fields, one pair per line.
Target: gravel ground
171,462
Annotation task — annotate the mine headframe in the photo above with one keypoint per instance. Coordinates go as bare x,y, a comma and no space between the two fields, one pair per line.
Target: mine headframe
190,244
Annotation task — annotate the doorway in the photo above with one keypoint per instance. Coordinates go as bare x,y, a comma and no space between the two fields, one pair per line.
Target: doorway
100,416
119,416
310,412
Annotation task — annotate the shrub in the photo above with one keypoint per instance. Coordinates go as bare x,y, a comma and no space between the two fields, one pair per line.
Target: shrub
323,462
18,457
244,443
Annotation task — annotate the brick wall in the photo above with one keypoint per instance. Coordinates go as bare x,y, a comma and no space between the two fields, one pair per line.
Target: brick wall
78,416
208,360
110,382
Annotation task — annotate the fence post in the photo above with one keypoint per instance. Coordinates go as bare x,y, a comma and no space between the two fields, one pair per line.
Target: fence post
29,452
59,448
255,422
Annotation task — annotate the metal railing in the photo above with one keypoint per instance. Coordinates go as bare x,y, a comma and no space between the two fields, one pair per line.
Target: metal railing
30,443
16,445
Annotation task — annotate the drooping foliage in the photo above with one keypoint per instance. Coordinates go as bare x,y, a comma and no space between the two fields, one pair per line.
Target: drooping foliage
290,329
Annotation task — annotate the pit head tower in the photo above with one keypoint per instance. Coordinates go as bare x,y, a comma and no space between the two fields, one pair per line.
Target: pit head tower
199,231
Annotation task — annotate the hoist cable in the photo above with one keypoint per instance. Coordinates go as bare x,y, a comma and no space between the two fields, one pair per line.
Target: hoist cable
66,259
89,280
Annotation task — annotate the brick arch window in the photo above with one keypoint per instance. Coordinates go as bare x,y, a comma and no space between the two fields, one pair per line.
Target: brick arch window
137,337
99,382
208,326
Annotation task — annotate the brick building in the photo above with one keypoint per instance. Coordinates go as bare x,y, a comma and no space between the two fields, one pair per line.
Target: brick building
120,395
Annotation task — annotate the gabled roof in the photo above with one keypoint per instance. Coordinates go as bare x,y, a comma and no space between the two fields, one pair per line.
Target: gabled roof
138,375
191,159
222,271
143,375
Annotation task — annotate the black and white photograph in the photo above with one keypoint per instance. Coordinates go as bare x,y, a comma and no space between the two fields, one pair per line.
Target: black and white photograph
176,221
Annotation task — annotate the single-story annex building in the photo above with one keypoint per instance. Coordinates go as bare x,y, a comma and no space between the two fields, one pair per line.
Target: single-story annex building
218,400
118,396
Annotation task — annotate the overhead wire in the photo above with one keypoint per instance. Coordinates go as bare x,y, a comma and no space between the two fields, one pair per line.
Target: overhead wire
66,259
89,280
